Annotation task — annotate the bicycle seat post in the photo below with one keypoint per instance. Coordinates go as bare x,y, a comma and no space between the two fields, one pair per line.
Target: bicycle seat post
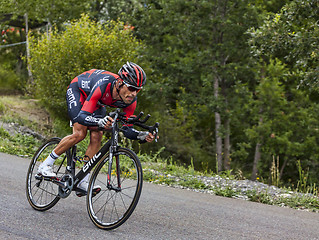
71,160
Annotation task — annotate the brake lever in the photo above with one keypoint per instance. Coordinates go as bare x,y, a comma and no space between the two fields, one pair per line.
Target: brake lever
156,131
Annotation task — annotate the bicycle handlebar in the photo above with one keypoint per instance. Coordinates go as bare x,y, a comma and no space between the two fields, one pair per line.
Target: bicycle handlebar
118,115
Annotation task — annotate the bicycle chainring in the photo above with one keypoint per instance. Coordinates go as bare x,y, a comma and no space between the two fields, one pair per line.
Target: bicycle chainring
68,180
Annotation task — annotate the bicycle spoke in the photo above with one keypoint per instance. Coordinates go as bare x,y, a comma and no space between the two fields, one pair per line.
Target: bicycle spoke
127,195
123,201
114,207
43,194
115,203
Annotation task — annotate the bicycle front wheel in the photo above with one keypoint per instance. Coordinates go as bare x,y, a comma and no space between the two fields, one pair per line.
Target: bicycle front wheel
117,200
42,194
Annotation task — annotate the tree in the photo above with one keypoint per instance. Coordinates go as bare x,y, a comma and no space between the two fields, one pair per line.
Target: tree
57,11
291,36
33,14
196,49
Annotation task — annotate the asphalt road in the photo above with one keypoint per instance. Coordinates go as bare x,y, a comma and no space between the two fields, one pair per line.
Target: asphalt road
162,213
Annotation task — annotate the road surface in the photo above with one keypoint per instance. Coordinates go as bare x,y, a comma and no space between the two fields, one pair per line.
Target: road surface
162,213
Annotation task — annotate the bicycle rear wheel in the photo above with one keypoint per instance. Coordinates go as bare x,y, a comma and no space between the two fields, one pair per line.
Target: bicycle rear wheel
42,194
116,202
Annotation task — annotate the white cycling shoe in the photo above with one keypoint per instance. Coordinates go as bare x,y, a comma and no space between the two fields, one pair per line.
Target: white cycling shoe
82,187
46,170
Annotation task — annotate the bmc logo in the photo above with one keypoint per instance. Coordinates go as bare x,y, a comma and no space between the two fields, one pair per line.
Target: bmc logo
86,166
71,98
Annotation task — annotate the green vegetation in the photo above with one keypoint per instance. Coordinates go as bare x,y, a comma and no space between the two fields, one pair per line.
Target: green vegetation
83,45
234,84
20,145
163,171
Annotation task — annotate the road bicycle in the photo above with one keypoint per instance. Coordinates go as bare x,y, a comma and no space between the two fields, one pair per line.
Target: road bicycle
117,170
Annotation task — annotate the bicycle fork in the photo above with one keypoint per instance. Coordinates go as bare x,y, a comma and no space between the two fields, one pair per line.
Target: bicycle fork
109,174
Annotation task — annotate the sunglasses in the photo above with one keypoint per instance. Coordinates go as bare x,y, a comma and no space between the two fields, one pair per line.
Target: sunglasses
133,88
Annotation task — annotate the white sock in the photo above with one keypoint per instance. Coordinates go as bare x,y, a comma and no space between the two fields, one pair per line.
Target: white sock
51,158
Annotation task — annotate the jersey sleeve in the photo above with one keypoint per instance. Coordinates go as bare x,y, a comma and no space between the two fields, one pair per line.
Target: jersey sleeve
128,129
90,105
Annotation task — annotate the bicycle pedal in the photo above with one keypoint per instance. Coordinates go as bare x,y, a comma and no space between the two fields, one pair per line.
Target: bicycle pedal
38,176
96,192
80,192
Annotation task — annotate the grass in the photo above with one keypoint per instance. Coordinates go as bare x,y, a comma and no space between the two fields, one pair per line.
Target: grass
164,171
21,145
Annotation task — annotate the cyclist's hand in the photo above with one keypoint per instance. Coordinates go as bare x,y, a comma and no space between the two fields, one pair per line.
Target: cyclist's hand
145,137
150,137
105,122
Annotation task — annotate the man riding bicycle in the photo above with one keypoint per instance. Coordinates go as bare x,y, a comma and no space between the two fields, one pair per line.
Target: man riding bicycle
86,97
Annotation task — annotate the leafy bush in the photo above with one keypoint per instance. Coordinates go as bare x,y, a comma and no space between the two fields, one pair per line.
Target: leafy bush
9,80
83,45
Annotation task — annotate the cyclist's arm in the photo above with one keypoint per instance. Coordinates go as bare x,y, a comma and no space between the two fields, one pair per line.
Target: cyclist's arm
90,105
129,131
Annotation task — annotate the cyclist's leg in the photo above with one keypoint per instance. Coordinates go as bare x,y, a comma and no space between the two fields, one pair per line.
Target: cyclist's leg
79,133
95,143
74,100
95,135
93,147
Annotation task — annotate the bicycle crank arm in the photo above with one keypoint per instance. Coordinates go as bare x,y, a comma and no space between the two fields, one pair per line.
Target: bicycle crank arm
55,180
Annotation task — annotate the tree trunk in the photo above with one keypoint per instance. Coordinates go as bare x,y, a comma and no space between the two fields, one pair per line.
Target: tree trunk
219,143
256,160
28,49
283,167
257,155
227,145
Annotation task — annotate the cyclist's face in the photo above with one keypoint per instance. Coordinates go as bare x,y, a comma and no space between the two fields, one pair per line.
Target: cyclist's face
128,94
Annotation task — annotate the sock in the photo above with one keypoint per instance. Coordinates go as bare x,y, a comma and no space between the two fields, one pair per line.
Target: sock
51,158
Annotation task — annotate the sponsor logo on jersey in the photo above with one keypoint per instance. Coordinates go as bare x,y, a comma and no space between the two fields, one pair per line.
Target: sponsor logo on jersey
85,84
98,71
100,81
71,98
91,119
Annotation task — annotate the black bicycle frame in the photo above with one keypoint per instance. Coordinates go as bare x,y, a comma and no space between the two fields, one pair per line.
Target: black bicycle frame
110,146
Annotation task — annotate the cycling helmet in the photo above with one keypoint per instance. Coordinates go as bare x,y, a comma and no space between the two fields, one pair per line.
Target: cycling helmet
132,75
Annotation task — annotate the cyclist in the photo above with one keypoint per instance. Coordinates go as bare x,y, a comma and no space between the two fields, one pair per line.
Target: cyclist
86,97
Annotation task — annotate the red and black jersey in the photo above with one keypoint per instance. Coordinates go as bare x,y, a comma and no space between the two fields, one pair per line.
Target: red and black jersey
89,92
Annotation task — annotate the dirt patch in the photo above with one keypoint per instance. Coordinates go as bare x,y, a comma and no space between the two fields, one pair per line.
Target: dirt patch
32,110
27,112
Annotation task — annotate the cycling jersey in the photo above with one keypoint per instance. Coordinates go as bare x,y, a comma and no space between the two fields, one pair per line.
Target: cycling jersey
89,93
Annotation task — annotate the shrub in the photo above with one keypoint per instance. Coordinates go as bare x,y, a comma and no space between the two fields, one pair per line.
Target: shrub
9,80
83,45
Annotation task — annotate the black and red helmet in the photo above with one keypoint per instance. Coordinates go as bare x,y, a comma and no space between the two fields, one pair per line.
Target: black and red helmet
133,75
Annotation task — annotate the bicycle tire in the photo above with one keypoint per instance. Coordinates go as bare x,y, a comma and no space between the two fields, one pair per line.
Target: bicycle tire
110,209
43,195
